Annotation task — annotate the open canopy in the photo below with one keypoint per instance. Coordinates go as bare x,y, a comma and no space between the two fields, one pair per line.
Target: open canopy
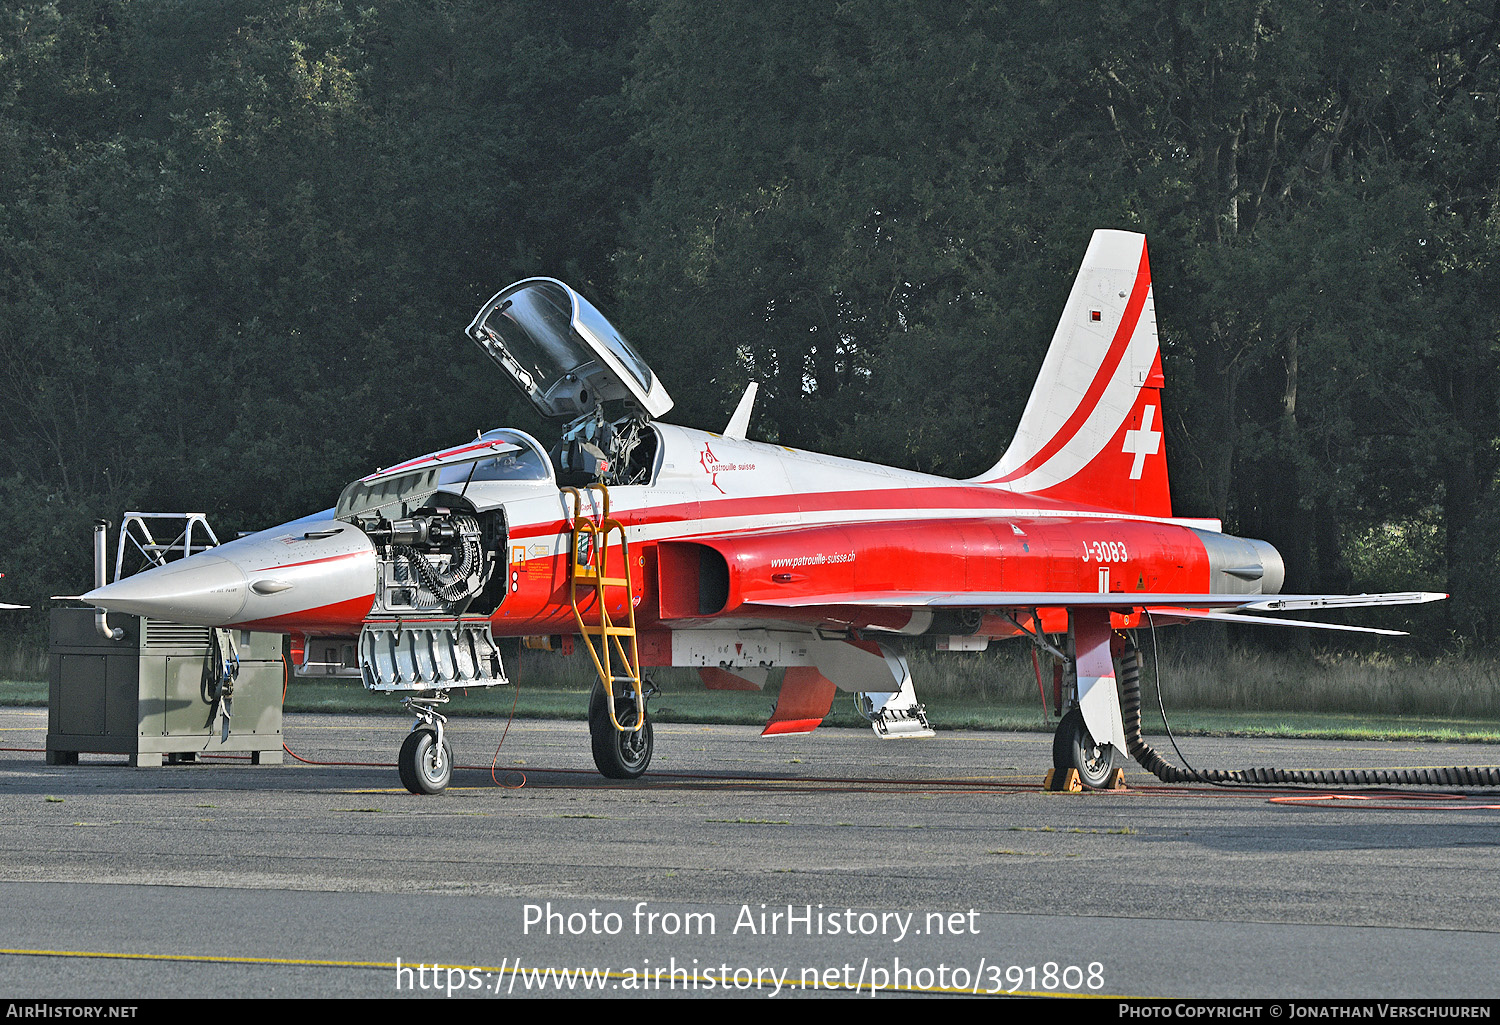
562,352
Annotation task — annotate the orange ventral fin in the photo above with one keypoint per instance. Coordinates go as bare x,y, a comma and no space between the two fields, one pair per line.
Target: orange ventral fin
806,696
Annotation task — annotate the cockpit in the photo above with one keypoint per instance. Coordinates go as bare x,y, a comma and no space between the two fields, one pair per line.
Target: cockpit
521,459
439,521
569,360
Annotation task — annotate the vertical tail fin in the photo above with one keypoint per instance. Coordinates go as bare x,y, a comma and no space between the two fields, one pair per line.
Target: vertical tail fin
1092,430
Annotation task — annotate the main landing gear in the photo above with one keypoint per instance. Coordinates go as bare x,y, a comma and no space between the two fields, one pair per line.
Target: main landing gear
1085,675
600,573
1073,747
620,753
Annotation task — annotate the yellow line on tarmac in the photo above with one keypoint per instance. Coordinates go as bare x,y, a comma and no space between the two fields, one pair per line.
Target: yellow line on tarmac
646,980
209,958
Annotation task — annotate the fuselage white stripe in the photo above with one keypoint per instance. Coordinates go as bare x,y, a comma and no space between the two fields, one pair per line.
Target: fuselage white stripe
672,529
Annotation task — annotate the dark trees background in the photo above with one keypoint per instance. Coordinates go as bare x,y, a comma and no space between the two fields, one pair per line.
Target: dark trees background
239,241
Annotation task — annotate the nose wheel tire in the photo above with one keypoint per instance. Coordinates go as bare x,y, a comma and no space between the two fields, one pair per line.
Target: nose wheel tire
619,754
1073,747
425,766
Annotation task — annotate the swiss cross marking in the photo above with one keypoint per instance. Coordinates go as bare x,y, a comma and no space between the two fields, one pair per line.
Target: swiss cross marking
1142,443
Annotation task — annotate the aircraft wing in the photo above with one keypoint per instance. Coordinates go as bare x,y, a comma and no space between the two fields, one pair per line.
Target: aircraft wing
1121,600
1228,608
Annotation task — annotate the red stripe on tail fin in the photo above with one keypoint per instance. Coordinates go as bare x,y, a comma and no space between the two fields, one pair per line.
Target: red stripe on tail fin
1092,430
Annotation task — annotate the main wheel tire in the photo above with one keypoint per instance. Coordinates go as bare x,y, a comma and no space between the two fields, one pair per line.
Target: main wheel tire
619,754
1073,747
425,767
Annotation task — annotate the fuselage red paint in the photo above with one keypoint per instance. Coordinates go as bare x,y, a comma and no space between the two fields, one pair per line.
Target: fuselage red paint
1045,549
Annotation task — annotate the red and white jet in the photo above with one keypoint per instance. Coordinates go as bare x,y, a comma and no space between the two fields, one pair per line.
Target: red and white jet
660,545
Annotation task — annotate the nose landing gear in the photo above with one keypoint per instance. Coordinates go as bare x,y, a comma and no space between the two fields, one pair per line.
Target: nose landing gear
425,763
426,760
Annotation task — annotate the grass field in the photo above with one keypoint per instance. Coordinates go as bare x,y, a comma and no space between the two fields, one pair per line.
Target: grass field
1225,692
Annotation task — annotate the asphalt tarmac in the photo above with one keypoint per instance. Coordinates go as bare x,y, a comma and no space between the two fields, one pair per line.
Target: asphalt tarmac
829,864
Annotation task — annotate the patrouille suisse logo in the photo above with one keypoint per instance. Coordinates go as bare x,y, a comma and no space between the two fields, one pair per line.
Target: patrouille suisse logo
713,467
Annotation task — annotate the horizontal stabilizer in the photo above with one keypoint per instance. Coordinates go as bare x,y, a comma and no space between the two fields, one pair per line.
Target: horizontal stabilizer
8,605
1243,619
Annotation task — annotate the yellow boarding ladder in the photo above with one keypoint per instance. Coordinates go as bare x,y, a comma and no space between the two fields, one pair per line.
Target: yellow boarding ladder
587,572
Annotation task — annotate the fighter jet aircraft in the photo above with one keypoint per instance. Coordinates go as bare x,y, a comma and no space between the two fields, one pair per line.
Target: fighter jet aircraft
659,545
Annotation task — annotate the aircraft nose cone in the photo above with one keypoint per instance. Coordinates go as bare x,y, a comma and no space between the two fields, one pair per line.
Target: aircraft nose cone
204,590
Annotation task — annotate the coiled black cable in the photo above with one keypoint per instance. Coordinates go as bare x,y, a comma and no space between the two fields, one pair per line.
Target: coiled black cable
1152,762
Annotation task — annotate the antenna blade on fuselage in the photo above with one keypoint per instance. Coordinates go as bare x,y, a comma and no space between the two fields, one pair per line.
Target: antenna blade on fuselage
739,423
